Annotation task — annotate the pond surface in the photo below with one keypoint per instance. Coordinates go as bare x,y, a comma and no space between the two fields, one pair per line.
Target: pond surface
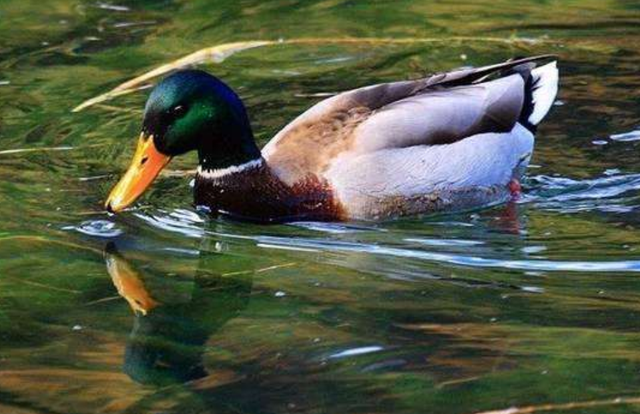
160,310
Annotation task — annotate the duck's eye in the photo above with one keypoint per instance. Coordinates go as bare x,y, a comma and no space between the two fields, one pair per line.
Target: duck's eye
178,111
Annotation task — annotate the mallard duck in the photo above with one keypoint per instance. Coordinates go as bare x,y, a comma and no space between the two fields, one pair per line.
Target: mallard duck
450,141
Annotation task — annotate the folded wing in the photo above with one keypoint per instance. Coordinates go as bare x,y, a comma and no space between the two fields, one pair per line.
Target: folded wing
437,110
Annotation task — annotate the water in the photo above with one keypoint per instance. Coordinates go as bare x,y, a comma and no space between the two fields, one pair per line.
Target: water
160,310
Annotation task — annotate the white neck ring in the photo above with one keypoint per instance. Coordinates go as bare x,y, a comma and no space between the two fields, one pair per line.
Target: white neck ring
216,173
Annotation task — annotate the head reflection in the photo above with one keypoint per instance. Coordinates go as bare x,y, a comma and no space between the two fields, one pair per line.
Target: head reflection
174,315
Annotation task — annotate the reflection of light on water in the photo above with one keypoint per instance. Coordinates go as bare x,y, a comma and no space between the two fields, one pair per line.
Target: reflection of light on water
627,136
181,221
455,259
445,242
596,194
287,247
187,252
98,228
356,351
533,289
335,228
112,7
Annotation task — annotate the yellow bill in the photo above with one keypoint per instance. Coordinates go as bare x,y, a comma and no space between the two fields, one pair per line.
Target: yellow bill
145,167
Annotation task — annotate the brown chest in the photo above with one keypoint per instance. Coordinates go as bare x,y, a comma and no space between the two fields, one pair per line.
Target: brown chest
259,195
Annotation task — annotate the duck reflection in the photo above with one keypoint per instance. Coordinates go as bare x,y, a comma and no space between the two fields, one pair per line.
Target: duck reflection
171,326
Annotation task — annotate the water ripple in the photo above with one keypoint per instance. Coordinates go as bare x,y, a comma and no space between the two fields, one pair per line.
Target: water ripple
445,242
610,193
334,228
192,225
454,259
98,228
185,222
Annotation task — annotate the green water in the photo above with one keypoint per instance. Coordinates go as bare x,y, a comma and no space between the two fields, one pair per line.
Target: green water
532,303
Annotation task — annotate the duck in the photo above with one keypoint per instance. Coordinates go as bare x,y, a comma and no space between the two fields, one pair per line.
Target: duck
450,141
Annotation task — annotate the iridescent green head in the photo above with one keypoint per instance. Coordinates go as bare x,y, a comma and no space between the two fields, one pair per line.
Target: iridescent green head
189,110
192,110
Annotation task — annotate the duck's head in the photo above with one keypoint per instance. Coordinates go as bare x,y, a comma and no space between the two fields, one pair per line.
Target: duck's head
189,110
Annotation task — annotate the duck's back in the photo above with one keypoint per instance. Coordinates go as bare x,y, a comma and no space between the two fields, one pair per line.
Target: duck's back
448,141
